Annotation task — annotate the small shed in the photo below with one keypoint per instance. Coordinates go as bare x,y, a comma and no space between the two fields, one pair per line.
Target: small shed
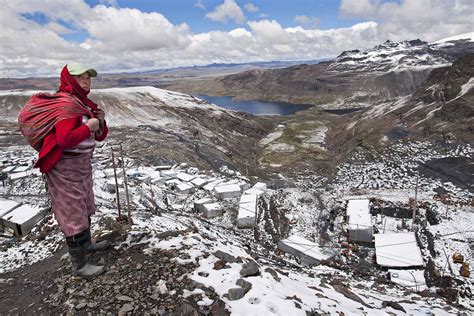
23,218
247,211
211,210
227,191
359,221
413,279
185,177
308,252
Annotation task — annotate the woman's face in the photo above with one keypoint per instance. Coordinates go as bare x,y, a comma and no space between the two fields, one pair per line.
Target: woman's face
84,81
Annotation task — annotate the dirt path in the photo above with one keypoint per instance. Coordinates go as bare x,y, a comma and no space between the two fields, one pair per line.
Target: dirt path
22,291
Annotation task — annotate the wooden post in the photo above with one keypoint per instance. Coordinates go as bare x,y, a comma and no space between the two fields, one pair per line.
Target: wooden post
126,185
151,192
117,196
447,260
416,199
384,223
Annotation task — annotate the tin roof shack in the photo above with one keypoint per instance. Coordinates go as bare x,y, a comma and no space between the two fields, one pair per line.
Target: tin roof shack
247,211
23,218
227,191
246,218
397,250
412,279
359,221
308,252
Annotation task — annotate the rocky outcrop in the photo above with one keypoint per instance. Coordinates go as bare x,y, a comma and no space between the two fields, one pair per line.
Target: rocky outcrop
443,105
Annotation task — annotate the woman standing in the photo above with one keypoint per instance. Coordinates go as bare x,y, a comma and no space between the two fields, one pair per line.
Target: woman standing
63,128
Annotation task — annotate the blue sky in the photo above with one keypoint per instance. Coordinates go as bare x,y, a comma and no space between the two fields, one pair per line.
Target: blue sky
284,11
38,37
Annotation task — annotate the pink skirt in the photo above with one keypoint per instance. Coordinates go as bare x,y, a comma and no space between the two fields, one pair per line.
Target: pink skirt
71,192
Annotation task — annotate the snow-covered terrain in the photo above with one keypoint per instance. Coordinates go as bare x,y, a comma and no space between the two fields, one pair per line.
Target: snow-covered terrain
281,243
280,285
132,106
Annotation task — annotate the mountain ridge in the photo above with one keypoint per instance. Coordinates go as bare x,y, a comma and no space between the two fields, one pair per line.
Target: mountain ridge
354,79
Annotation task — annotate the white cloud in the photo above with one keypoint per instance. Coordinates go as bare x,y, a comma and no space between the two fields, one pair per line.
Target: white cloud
250,7
358,8
200,4
425,19
225,11
72,11
110,3
313,22
130,29
302,19
268,32
128,39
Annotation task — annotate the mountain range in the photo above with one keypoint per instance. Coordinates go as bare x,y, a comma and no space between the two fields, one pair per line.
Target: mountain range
354,79
411,90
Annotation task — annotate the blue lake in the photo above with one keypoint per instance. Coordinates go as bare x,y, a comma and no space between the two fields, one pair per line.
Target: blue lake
255,107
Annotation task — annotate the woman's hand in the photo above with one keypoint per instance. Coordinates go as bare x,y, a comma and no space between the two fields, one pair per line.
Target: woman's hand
93,124
100,114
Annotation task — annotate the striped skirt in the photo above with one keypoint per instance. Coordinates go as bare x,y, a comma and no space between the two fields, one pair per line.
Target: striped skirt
71,192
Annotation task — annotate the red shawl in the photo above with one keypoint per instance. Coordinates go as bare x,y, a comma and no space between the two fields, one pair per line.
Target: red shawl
42,111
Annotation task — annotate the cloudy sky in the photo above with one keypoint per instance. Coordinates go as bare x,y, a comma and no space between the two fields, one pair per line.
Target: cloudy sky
37,37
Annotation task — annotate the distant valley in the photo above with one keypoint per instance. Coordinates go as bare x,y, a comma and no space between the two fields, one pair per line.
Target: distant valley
410,90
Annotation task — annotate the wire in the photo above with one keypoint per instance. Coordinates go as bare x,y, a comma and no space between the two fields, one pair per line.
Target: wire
392,257
458,232
336,247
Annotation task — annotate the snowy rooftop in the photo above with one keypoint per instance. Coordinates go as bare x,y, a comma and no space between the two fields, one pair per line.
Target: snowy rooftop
357,207
22,214
359,214
306,247
397,250
6,206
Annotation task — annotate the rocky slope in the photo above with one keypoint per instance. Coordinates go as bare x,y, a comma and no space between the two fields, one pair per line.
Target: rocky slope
441,109
153,122
445,102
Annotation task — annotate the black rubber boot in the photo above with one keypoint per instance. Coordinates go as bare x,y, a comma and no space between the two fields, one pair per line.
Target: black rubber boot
77,252
97,246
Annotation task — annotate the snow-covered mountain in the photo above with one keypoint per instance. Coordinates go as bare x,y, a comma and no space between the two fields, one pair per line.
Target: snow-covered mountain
407,55
354,79
130,106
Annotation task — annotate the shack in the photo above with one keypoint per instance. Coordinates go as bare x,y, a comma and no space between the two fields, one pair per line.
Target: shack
359,221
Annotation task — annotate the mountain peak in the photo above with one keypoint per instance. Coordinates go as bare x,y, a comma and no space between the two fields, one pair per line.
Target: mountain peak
461,37
398,56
